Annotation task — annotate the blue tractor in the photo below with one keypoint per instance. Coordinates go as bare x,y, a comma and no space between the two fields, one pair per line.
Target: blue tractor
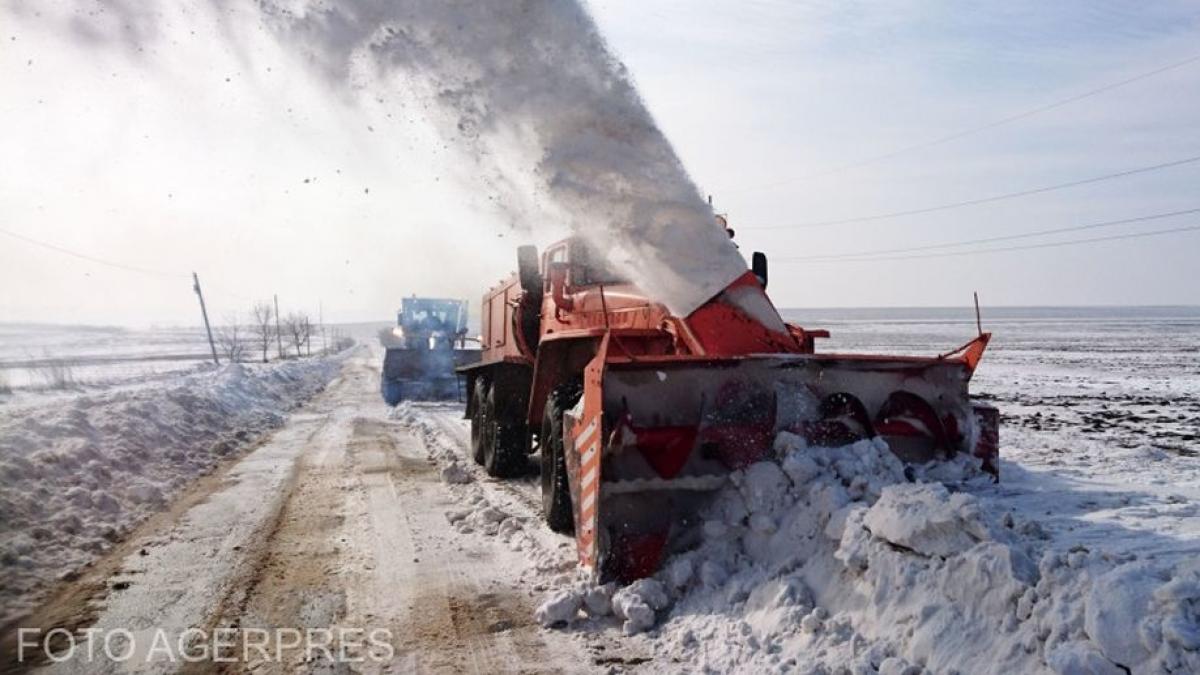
427,344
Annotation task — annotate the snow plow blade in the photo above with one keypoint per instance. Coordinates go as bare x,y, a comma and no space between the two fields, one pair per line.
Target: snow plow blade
422,374
654,437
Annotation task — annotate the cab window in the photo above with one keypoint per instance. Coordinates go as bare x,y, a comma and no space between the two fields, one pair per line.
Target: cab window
558,254
589,268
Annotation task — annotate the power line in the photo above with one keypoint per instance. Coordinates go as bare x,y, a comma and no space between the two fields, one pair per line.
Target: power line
111,263
981,200
122,266
1027,247
89,258
987,240
983,127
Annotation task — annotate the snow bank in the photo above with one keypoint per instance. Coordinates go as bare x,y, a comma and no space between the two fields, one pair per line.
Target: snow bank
832,560
79,474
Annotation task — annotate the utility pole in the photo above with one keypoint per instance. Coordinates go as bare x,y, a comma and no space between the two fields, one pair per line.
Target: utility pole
321,324
204,313
278,334
978,320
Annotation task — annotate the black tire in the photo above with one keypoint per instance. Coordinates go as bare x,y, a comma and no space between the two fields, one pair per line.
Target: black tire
556,491
504,450
480,395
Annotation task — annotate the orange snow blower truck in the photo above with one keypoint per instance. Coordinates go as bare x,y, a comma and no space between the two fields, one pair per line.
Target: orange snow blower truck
639,415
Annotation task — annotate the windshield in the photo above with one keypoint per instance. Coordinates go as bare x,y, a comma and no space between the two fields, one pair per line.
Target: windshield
434,315
589,267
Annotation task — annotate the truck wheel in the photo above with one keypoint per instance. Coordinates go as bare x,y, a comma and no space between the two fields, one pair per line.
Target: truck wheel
503,447
556,491
477,421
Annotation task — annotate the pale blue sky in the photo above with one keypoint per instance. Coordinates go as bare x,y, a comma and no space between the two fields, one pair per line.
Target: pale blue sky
756,93
191,154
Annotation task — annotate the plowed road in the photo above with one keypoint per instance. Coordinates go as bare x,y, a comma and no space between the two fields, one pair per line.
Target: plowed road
333,534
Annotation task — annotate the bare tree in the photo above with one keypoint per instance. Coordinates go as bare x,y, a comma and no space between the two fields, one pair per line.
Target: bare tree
308,333
298,329
232,339
264,326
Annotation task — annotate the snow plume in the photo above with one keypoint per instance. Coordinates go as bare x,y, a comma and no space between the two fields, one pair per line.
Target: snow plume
530,92
519,102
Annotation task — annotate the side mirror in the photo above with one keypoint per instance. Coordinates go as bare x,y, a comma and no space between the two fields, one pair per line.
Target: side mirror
527,270
758,263
558,285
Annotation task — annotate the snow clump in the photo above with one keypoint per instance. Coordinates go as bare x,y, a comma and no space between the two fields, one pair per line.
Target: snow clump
455,474
845,560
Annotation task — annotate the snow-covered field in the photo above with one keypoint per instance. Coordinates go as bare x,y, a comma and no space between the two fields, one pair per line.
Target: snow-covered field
79,468
38,359
46,360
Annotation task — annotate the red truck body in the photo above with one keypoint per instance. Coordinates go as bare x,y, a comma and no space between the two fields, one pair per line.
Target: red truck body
639,414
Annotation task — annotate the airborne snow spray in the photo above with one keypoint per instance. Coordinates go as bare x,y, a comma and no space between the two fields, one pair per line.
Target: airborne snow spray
530,91
527,91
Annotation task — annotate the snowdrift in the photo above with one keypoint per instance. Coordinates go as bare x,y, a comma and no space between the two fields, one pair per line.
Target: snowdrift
78,474
835,560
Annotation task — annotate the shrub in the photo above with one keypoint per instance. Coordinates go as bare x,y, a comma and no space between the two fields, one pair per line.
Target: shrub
55,373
